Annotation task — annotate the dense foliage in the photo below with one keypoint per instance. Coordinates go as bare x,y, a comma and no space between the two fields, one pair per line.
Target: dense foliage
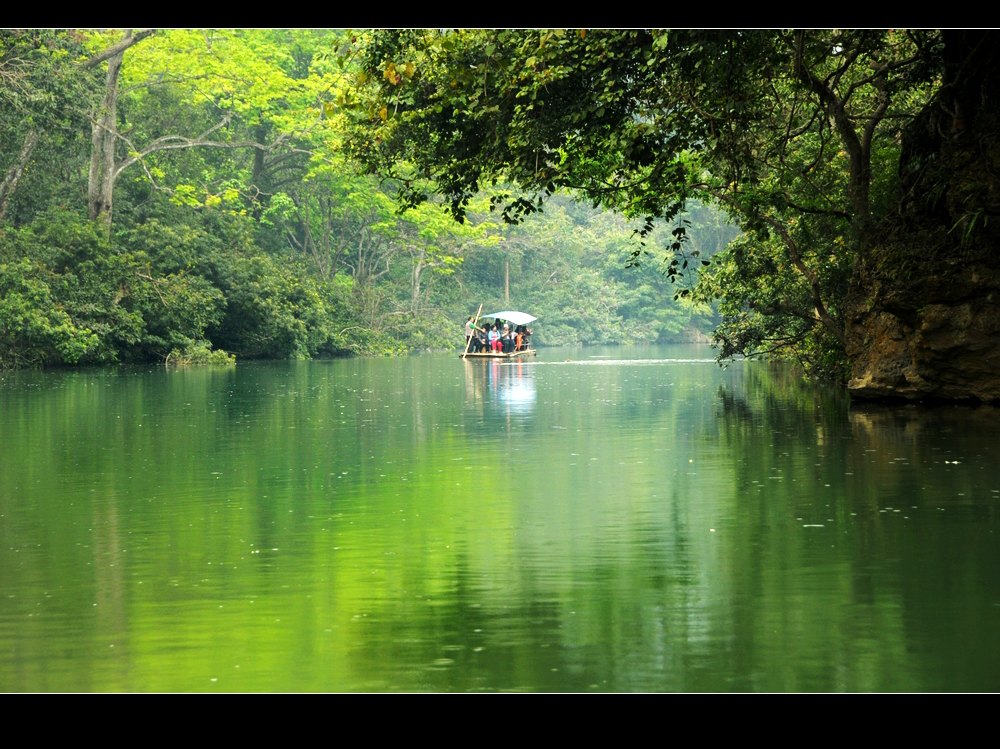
170,193
795,134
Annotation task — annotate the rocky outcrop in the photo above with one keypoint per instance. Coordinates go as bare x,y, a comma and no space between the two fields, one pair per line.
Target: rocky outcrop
923,317
935,343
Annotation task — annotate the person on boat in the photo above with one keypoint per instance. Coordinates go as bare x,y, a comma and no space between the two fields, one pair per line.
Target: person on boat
525,334
493,333
479,342
470,332
506,341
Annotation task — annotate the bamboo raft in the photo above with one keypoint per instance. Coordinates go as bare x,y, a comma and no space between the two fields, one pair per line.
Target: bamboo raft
516,354
498,355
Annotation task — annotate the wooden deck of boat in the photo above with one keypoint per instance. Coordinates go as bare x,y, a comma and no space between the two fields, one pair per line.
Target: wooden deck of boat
491,355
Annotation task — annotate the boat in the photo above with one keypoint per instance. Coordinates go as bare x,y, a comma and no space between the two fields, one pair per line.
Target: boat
523,353
514,318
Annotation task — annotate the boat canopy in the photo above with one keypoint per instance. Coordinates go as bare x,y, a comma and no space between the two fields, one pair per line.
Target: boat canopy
518,318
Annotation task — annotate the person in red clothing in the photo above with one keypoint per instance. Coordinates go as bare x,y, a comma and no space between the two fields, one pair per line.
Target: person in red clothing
493,333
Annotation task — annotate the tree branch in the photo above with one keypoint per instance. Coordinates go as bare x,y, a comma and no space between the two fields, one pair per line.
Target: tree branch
857,156
16,169
115,49
173,142
823,315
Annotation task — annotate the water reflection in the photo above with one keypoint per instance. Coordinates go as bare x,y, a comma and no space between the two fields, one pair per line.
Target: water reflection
432,524
515,387
506,388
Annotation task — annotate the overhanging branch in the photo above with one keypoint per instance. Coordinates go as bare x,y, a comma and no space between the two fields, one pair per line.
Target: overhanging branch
118,48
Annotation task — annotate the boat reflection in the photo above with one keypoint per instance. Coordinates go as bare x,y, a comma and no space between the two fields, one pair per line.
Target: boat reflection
514,385
504,387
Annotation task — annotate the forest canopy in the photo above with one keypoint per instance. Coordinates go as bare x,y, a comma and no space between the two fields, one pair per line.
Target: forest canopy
167,193
297,193
796,135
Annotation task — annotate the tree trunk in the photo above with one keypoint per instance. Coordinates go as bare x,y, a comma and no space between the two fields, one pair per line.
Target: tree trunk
259,177
100,184
418,270
16,170
506,280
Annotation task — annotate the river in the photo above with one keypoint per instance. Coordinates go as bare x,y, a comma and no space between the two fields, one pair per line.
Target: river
629,519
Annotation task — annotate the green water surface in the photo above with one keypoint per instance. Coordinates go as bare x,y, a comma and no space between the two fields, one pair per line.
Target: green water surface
593,520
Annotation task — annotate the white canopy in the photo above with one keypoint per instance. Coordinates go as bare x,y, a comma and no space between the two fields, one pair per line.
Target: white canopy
518,318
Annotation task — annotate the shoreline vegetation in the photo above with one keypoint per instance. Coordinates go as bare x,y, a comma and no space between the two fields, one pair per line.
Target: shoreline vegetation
198,355
169,194
196,196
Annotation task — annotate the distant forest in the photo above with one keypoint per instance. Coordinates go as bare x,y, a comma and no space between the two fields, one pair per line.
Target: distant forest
194,195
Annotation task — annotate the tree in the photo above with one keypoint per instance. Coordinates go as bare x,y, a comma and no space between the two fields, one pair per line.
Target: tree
39,93
923,313
795,134
104,167
250,95
437,245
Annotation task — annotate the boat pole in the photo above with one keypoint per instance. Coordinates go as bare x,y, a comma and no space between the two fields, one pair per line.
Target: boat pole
469,342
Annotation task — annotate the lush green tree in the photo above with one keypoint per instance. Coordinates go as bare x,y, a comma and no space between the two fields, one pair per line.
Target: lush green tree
255,90
41,96
189,131
794,133
166,193
567,265
94,289
34,329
